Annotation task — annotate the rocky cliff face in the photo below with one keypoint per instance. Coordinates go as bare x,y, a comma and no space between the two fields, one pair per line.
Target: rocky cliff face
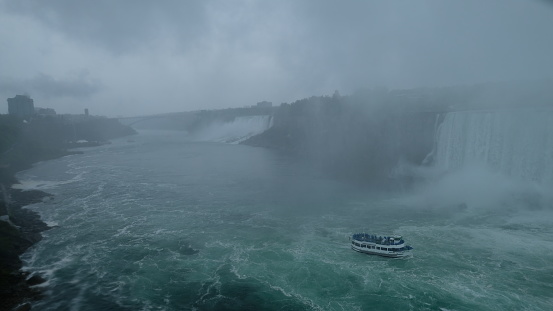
371,136
351,138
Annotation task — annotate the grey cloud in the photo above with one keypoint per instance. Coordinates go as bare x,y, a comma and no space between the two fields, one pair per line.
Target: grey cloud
428,42
393,42
48,87
217,53
119,26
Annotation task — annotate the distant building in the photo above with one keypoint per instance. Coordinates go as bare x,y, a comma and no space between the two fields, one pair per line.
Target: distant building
86,112
22,106
264,104
45,111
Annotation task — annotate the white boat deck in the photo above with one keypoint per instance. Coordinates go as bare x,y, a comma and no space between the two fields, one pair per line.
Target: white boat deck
387,246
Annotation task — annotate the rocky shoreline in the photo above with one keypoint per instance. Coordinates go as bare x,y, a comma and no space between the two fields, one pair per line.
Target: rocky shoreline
23,143
19,230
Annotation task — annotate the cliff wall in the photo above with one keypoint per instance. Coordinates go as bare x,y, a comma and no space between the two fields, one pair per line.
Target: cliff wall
371,135
351,138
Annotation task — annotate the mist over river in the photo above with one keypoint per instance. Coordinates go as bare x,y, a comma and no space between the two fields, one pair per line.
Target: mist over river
161,222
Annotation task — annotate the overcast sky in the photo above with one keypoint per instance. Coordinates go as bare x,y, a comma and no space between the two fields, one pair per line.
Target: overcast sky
133,57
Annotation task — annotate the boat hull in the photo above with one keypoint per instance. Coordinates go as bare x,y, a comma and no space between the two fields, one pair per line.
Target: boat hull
401,254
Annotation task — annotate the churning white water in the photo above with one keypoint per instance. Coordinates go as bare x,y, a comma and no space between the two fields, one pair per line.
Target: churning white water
167,223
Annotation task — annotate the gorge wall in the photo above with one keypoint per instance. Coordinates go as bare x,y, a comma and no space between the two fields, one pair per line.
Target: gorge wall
383,137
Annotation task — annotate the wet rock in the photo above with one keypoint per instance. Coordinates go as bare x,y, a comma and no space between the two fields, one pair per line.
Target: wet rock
16,290
35,280
23,307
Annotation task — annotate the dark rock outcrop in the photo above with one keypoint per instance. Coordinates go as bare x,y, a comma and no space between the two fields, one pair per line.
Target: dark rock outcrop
16,236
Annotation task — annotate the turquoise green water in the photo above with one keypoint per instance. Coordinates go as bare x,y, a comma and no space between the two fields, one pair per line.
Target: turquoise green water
162,223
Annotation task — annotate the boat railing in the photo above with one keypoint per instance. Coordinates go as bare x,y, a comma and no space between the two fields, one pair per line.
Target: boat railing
376,239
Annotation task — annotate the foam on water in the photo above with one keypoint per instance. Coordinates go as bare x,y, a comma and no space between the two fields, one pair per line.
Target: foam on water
202,243
29,183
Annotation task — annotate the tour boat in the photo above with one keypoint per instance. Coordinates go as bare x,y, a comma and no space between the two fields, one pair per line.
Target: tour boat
387,246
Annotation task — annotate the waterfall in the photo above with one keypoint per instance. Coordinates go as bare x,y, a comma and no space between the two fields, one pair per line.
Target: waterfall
517,142
235,131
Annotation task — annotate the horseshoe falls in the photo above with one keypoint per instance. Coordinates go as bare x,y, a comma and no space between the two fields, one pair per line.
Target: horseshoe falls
517,142
494,160
168,222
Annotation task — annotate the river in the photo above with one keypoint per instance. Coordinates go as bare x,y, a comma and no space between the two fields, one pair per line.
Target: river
160,222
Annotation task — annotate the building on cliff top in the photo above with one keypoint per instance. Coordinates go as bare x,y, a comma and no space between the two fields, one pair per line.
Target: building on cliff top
45,111
21,106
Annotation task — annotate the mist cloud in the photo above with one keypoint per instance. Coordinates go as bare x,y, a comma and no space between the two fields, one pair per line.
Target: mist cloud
118,26
188,55
49,87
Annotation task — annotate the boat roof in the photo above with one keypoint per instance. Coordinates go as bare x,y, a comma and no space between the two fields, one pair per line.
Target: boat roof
365,237
393,236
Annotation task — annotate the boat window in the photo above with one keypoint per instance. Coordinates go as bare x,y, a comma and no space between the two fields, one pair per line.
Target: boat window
384,249
365,246
378,247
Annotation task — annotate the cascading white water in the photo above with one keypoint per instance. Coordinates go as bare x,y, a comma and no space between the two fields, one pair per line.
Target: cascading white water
236,131
517,142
